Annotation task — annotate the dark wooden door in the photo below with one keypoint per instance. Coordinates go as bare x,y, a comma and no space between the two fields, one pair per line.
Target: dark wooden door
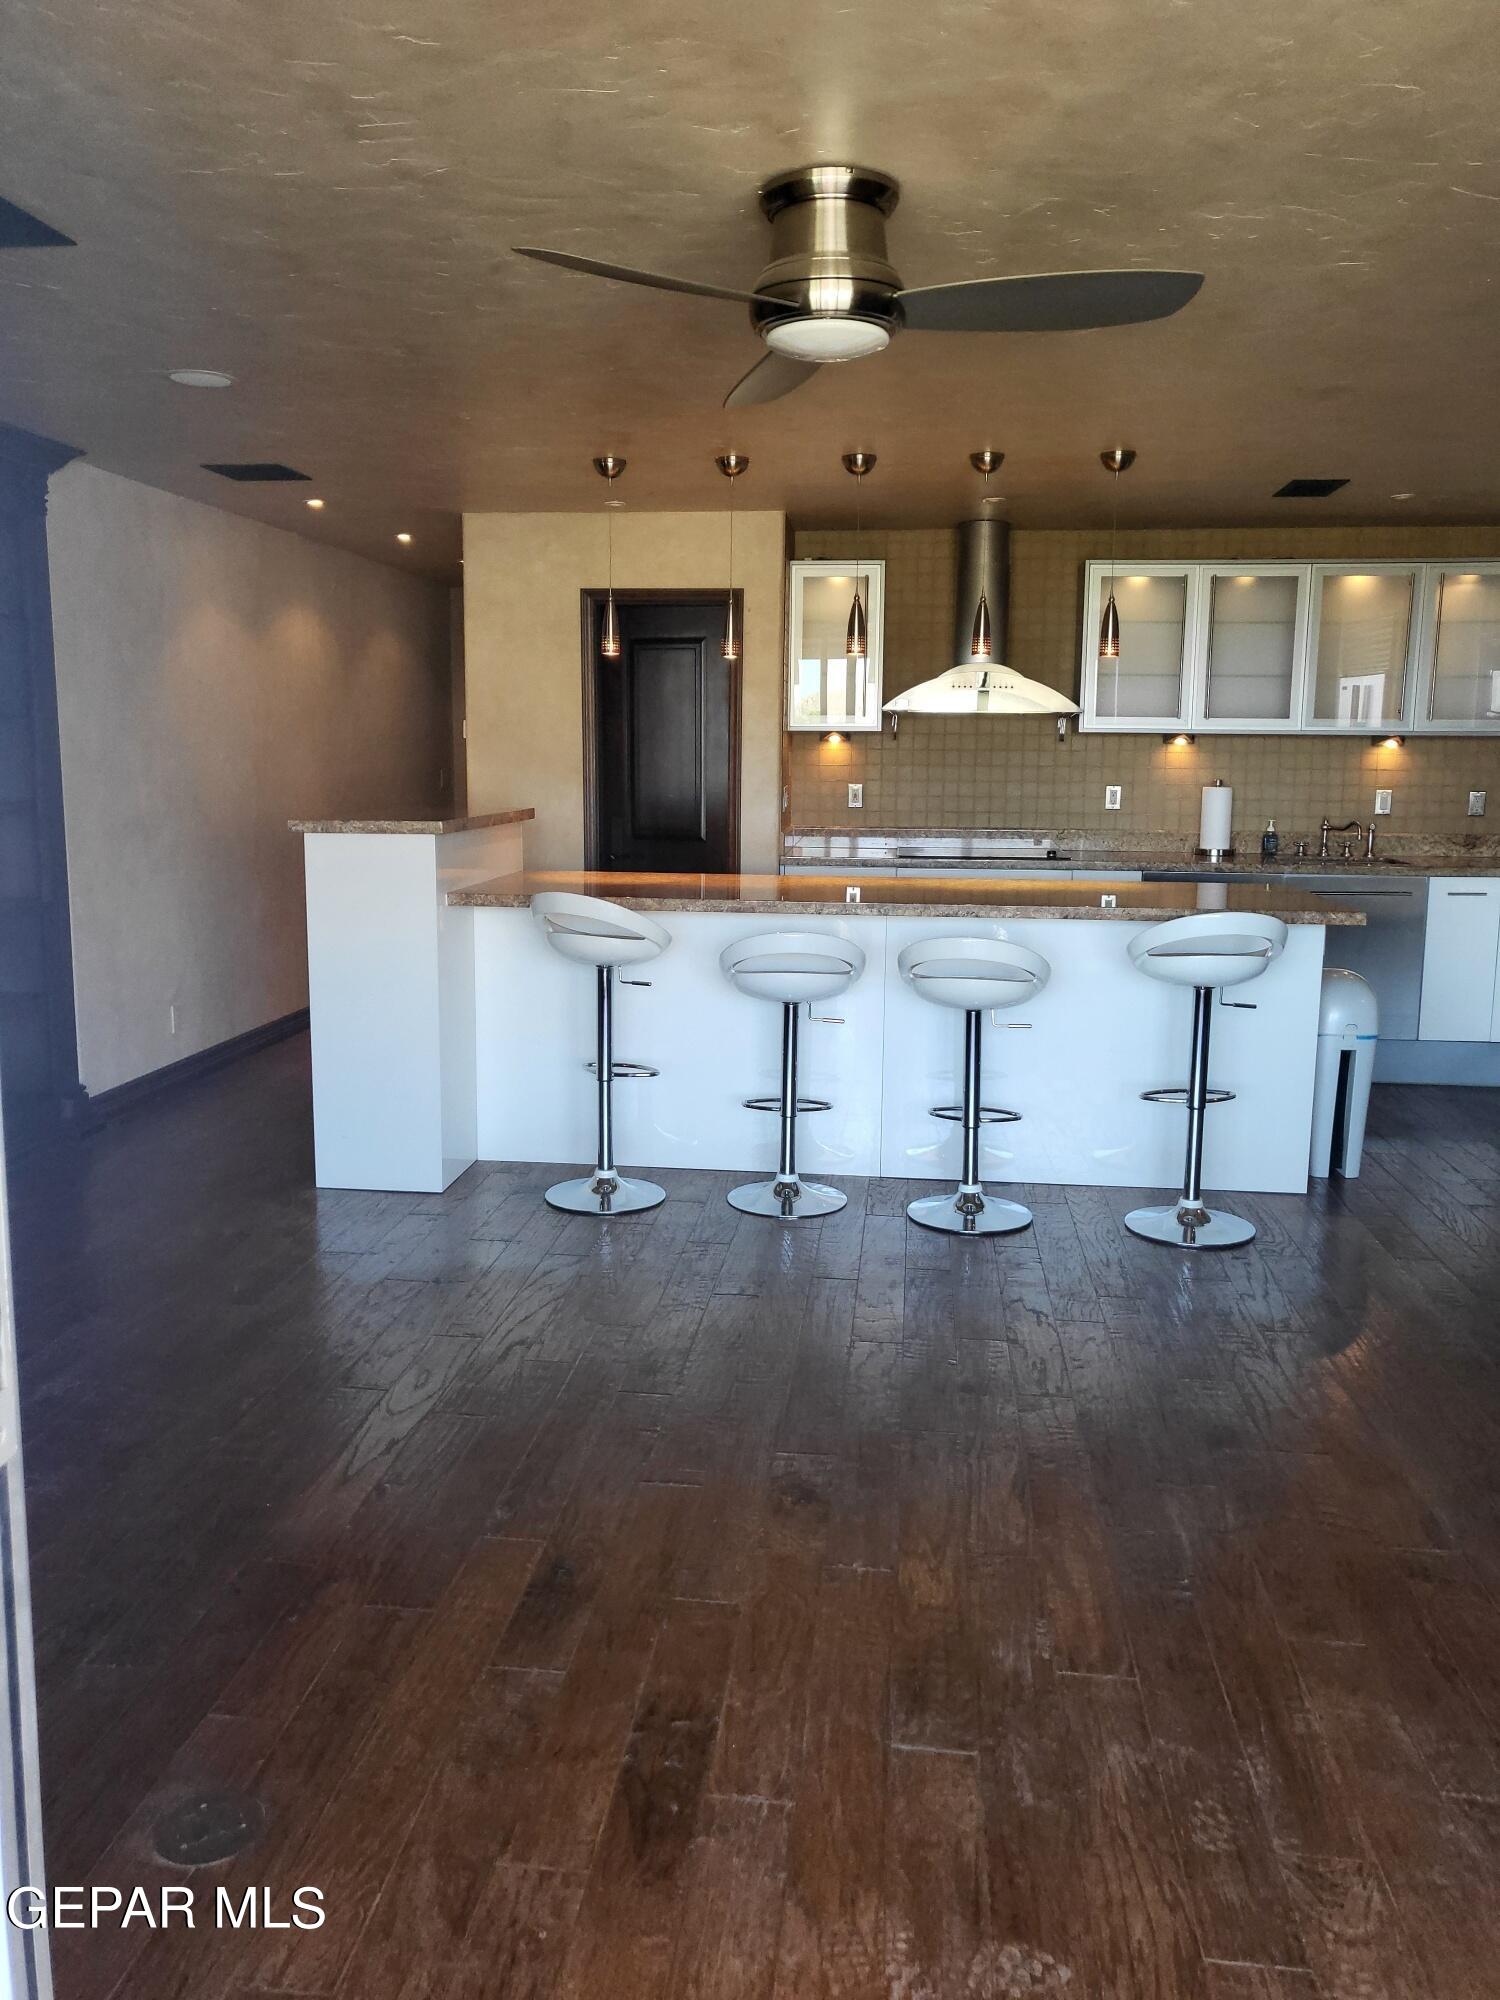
665,740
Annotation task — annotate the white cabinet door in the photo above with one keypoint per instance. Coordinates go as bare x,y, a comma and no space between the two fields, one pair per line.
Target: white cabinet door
827,688
1458,964
1459,650
1252,633
1362,625
1148,686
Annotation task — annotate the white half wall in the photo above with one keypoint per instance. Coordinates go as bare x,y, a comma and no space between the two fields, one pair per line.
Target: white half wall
215,678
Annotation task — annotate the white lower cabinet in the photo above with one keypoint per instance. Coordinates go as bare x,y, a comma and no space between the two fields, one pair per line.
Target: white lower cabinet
1459,961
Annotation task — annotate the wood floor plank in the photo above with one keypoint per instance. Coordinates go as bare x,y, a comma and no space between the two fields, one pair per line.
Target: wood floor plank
733,1887
832,1937
759,1745
628,1924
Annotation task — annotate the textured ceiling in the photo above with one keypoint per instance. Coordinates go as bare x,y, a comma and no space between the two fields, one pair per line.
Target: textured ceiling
319,200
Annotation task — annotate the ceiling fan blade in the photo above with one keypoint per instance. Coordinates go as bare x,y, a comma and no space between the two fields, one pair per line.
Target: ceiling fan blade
772,376
1053,302
626,276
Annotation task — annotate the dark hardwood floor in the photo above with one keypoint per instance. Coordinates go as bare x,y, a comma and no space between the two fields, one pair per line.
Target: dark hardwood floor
694,1608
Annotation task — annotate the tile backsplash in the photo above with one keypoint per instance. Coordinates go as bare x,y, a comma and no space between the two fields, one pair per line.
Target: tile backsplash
952,771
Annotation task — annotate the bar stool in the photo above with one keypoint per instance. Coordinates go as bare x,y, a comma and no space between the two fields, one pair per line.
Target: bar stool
1210,950
593,932
973,974
791,967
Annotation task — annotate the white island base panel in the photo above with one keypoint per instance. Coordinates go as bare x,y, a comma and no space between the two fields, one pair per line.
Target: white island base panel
390,975
1073,1063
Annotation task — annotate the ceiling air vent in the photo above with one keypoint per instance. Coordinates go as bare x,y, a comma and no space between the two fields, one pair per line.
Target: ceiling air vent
1308,489
257,469
20,231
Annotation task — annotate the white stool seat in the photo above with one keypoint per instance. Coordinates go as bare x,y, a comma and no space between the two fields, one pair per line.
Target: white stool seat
973,973
792,966
1206,951
789,967
594,932
1211,948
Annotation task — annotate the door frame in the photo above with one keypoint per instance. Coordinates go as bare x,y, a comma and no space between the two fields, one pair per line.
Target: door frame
591,617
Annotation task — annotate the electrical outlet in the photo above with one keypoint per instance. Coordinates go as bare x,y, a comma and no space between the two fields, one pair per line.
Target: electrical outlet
1476,804
1111,798
856,795
1382,801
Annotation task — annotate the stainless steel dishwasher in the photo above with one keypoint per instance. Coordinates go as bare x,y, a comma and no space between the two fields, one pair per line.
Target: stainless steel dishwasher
1386,949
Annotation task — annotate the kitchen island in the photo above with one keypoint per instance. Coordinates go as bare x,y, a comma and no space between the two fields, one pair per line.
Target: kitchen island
1073,1062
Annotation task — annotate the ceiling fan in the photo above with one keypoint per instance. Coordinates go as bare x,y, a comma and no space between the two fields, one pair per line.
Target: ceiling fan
830,292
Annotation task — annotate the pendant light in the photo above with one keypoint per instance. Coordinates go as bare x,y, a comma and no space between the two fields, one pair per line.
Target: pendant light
1114,462
731,464
981,642
856,639
609,468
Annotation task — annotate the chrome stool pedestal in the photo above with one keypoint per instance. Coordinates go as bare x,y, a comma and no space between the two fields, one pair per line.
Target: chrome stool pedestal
788,1198
607,1191
970,1211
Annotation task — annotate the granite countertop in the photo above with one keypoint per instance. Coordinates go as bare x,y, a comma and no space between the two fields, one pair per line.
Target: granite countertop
971,850
908,896
469,823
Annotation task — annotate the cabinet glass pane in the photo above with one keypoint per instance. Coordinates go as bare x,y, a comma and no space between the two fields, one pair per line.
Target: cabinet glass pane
1146,680
1363,627
1252,633
1466,662
827,688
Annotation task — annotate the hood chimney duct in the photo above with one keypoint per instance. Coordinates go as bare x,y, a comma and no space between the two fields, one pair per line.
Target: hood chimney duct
983,568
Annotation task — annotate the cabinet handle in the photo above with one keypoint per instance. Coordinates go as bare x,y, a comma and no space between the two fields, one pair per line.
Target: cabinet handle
1466,892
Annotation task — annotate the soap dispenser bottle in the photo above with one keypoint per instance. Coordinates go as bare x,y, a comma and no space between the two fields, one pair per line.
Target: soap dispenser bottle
1270,841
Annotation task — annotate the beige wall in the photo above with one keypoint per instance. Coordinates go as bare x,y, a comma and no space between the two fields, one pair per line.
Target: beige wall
522,577
945,771
215,678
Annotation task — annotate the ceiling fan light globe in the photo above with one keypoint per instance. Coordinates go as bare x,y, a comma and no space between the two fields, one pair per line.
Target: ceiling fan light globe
827,337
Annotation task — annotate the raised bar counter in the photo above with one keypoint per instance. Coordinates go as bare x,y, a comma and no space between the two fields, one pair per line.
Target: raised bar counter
906,896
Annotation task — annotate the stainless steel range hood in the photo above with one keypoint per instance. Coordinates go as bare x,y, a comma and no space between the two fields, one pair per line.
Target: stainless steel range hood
981,687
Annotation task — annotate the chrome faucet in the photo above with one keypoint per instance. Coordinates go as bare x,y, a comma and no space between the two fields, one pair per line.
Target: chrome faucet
1350,826
1370,841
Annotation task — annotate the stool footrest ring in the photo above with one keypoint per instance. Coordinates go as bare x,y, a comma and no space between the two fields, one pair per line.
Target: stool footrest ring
623,1072
1179,1096
774,1103
989,1114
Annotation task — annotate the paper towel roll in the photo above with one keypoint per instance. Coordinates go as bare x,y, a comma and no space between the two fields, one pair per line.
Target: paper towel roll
1214,836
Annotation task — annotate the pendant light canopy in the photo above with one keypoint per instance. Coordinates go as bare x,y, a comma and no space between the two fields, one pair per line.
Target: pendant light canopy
1114,462
609,468
859,464
731,464
981,639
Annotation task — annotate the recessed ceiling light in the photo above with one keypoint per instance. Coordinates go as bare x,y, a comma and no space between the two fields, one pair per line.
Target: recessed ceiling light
315,504
1403,496
200,378
403,536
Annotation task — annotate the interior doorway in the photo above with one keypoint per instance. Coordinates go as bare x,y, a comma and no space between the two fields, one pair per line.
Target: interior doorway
661,734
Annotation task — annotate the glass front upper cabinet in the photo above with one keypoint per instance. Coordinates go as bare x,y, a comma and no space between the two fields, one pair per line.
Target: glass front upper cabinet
1147,686
1253,628
1461,647
825,688
1363,621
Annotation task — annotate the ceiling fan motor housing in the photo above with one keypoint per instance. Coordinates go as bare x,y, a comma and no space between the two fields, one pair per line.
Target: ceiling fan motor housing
828,249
